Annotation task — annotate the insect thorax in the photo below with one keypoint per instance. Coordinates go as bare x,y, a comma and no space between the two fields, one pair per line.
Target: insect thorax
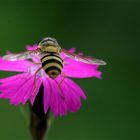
50,49
52,64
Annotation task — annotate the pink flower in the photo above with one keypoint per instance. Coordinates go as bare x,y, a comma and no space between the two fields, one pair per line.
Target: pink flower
20,87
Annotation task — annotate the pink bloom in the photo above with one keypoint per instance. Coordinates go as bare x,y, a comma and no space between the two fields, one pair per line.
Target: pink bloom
20,87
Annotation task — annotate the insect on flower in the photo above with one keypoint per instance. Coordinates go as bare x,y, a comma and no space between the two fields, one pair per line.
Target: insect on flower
58,64
49,51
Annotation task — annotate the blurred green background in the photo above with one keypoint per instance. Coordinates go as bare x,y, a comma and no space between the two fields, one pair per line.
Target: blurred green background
109,30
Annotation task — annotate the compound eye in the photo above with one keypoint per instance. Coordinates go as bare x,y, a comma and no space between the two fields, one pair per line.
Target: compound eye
43,43
47,42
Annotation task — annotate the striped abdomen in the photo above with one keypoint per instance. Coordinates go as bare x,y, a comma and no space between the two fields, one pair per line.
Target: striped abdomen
52,64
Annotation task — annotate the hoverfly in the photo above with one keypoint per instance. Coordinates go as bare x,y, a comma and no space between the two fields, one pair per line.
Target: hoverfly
49,52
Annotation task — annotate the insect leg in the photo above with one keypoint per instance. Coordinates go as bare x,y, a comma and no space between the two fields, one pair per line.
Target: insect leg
35,63
35,80
59,90
59,84
65,63
63,77
35,51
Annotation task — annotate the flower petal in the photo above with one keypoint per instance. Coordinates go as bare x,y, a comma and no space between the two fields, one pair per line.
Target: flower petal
12,78
71,98
31,47
73,86
36,58
63,99
75,69
19,88
53,99
17,66
60,95
23,89
12,88
29,90
36,90
54,104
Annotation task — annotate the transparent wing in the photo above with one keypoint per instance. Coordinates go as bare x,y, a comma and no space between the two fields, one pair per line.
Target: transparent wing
18,56
84,59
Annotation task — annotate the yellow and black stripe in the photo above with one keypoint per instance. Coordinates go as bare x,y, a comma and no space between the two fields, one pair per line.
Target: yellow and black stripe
52,64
